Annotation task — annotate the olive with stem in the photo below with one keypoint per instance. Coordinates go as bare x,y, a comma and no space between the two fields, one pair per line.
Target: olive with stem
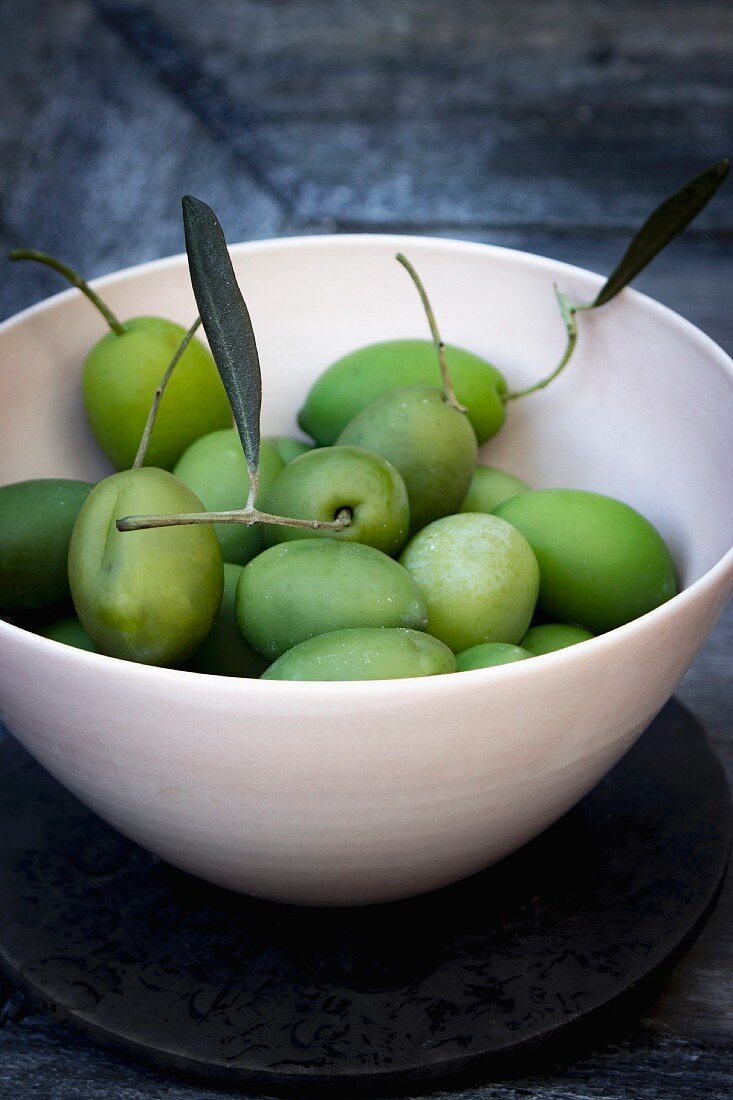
151,598
359,378
123,370
423,432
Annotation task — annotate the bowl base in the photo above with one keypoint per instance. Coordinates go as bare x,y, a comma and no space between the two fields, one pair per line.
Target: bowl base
192,978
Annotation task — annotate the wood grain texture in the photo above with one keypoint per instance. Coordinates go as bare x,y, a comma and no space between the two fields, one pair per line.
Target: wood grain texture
552,127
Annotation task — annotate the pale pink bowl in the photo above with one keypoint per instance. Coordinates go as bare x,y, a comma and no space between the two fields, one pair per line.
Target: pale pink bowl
361,792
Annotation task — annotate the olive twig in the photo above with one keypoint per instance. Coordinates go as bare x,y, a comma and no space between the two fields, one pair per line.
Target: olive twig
157,396
450,394
74,278
567,312
247,516
665,223
254,488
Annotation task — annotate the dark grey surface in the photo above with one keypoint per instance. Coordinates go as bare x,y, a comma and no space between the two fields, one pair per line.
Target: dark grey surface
489,974
545,126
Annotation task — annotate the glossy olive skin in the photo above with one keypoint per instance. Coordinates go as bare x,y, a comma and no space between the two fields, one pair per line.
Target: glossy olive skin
479,577
297,590
36,521
322,483
215,469
548,637
365,653
121,374
490,487
431,444
489,654
353,382
147,596
601,563
224,651
288,447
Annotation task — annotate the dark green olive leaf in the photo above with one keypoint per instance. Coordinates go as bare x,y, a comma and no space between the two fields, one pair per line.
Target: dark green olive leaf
667,221
226,322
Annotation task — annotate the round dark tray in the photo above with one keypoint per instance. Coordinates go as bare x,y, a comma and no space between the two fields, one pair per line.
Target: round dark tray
164,967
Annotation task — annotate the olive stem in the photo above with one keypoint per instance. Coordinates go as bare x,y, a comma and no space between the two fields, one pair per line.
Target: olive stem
75,280
450,394
568,312
157,396
246,516
254,488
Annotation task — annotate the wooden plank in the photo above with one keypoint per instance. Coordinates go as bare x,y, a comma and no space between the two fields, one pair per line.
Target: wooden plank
493,114
40,1059
96,158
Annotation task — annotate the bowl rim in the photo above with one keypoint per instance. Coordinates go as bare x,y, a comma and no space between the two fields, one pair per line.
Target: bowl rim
445,681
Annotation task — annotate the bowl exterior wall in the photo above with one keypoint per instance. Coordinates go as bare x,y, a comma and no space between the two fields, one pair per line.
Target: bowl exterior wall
303,801
354,793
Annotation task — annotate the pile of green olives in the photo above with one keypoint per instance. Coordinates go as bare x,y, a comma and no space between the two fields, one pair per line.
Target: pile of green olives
401,556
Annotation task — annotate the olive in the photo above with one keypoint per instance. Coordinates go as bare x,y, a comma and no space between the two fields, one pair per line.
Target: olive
601,563
123,371
215,469
364,653
333,481
357,379
36,521
224,651
479,577
121,374
547,637
70,632
431,443
488,654
296,590
491,487
148,596
288,447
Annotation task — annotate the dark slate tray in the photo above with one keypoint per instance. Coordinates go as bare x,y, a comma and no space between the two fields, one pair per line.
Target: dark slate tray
276,998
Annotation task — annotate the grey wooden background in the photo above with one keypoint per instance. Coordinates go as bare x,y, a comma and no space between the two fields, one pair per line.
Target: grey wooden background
542,124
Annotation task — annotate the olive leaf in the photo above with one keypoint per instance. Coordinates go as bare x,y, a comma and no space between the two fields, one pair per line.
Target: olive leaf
227,324
662,226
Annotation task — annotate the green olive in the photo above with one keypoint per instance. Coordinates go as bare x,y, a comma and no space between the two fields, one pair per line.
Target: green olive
365,653
288,447
331,481
431,444
353,382
215,469
299,589
479,577
224,651
148,596
491,487
121,374
601,563
489,654
70,632
36,521
548,637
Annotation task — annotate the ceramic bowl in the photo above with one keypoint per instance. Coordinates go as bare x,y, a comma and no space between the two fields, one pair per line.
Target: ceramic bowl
347,793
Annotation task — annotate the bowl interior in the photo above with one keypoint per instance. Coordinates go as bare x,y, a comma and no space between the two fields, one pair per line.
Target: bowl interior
643,412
